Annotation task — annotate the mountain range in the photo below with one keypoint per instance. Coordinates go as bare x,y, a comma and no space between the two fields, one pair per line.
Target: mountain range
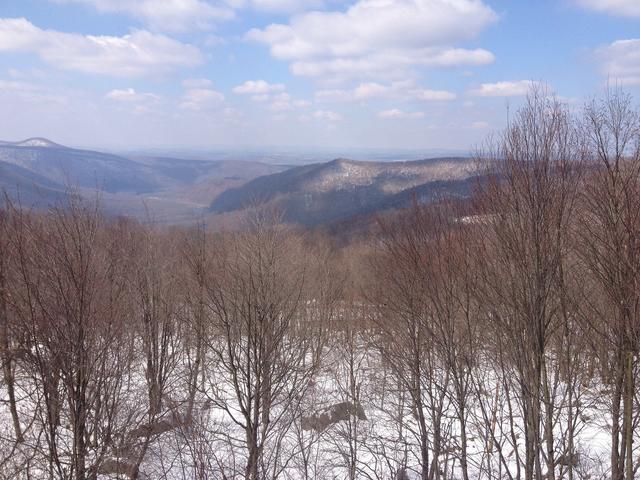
342,188
39,172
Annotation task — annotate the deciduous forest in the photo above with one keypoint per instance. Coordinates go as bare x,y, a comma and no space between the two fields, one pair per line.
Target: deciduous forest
495,337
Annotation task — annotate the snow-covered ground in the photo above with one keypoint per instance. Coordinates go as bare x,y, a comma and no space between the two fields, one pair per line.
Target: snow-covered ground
383,443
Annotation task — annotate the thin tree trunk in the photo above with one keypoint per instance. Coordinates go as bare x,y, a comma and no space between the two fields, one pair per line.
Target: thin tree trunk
6,358
615,420
628,414
548,427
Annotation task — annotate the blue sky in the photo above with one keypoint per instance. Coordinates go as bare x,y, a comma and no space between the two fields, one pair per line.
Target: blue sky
310,73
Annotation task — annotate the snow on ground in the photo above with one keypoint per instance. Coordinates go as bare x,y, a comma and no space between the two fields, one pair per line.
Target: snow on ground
378,446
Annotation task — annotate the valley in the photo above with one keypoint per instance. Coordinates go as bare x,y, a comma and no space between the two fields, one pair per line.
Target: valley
38,172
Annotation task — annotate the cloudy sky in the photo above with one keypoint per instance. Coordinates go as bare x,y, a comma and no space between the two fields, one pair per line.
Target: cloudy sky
309,73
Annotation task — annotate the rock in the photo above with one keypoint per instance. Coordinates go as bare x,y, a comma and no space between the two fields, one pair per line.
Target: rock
159,427
340,412
154,428
112,466
570,460
401,474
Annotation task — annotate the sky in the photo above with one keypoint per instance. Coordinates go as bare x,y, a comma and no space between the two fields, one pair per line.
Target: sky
388,74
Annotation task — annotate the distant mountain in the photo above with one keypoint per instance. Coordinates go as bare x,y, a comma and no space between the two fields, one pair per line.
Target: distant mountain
27,188
79,168
39,171
343,188
34,142
201,180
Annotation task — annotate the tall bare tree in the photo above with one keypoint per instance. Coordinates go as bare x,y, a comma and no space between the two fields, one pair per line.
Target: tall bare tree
263,336
609,235
534,169
73,320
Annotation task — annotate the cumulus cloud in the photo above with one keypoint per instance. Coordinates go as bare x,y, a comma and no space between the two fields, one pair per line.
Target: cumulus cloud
625,8
391,64
379,37
129,95
196,83
201,99
129,100
136,54
286,6
281,102
31,93
263,92
263,97
480,125
258,87
396,113
327,115
402,90
503,89
621,61
334,95
302,103
369,90
166,15
433,95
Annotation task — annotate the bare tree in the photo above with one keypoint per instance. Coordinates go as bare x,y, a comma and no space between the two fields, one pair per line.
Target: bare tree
533,168
72,272
6,340
261,341
405,320
609,235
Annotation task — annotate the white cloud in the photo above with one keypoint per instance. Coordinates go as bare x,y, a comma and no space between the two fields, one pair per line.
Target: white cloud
480,125
201,99
302,103
503,89
369,90
196,83
396,113
380,37
327,115
433,95
165,15
281,102
625,8
129,95
129,100
286,6
402,90
621,61
31,93
258,87
136,54
391,64
334,95
212,41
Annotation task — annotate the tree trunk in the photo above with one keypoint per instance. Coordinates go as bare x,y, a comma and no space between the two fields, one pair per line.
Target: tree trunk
628,414
6,357
616,473
548,427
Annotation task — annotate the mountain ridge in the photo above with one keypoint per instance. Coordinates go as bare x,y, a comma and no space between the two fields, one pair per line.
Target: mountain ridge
44,170
40,172
335,190
39,142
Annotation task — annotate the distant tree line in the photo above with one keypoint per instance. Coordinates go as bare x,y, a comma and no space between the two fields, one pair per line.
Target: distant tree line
497,338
